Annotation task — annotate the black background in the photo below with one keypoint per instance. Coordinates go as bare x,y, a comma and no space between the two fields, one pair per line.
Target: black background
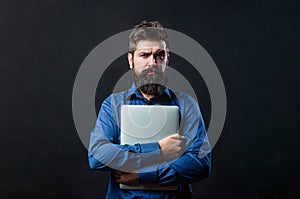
255,45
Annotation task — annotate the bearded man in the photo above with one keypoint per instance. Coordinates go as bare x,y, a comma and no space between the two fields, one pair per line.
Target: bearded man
179,159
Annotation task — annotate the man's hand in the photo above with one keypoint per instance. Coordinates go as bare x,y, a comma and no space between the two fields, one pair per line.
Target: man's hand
126,178
172,146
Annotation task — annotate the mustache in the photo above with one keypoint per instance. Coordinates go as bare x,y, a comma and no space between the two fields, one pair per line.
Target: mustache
154,69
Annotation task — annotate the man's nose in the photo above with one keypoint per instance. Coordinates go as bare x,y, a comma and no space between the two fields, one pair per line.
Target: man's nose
152,60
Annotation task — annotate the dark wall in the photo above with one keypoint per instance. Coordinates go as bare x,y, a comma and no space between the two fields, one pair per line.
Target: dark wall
255,45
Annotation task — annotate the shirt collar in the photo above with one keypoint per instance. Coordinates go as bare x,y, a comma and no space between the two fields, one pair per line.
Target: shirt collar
133,90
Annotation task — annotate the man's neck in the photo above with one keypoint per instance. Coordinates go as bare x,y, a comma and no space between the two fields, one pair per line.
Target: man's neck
148,97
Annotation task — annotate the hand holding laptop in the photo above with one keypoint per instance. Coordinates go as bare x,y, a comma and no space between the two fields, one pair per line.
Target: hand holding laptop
172,146
126,178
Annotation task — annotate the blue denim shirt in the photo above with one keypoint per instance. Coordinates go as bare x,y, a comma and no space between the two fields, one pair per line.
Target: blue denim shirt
106,153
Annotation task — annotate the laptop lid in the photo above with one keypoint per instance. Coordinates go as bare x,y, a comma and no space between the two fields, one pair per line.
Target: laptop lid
144,124
151,123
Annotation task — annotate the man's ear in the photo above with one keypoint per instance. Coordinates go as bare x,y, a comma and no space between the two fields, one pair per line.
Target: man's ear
168,59
130,60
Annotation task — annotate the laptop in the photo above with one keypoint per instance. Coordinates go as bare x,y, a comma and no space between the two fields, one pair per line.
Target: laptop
144,124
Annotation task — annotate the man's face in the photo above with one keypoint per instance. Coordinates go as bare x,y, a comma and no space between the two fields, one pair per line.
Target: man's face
147,54
149,63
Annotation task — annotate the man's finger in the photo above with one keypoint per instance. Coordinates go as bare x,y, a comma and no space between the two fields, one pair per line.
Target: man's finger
122,179
117,174
178,137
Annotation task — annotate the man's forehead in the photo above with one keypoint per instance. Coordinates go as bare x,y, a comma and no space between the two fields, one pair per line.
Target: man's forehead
150,45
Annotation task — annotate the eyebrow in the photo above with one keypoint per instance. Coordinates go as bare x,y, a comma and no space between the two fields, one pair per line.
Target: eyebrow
161,51
146,51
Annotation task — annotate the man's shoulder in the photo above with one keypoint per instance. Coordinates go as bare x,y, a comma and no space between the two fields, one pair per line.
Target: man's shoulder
183,96
117,97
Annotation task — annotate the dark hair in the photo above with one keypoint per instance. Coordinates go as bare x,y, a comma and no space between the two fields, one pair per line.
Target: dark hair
152,30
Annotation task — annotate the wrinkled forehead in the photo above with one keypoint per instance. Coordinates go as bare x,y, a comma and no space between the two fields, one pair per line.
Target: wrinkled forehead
147,45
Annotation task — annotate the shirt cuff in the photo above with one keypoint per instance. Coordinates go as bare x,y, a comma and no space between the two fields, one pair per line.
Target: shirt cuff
150,147
150,155
150,162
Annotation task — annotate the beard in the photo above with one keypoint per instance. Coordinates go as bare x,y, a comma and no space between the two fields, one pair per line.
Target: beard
151,84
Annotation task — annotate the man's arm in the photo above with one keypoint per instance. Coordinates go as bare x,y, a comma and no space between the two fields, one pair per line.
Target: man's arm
191,167
171,147
195,163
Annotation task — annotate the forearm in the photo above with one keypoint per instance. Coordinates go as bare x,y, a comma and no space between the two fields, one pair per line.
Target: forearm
103,154
188,168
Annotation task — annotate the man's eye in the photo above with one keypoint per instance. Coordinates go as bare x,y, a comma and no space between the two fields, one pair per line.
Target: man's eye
161,57
144,55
